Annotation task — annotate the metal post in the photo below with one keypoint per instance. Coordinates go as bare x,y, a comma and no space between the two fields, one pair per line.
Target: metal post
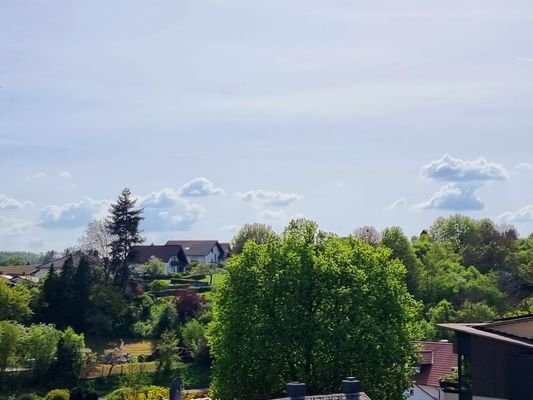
175,389
351,388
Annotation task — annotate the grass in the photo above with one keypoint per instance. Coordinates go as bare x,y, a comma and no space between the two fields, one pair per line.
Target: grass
135,347
218,278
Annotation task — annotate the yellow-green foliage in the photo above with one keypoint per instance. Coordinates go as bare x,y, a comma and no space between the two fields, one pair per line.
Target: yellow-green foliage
148,393
57,394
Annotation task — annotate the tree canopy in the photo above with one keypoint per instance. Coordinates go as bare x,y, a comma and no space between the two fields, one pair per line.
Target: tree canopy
312,307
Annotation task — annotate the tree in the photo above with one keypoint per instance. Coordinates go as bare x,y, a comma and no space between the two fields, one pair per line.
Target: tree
14,302
188,305
81,287
154,267
258,233
97,238
314,308
39,346
10,334
368,234
123,225
205,269
193,334
395,239
69,359
168,353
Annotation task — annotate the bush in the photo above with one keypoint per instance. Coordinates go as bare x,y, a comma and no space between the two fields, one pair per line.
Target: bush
194,277
57,394
159,284
147,393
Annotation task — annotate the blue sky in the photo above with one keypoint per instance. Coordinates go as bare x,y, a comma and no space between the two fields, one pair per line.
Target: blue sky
218,113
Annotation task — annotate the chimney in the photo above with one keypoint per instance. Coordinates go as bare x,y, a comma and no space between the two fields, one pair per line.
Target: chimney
351,388
296,390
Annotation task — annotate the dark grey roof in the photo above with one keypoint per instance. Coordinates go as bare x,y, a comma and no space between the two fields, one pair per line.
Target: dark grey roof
196,247
226,247
483,329
143,254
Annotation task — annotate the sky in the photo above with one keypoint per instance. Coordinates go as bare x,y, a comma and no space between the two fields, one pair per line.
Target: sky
217,113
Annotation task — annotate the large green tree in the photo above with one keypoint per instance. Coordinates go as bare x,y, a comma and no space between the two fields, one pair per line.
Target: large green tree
123,226
316,308
258,233
10,335
14,302
397,241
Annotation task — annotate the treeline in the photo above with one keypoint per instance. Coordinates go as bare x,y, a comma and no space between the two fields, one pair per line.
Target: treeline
463,269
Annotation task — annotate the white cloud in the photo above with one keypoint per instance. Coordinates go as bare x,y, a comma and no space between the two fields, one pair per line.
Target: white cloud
71,215
166,198
273,215
525,214
278,215
65,175
14,227
454,197
523,166
451,169
274,199
397,204
181,218
200,187
38,175
229,228
9,203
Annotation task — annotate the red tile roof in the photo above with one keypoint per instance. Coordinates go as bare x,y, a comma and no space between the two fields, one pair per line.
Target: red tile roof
444,361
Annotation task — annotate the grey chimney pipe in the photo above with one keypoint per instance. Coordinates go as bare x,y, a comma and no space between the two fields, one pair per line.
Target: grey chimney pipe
296,390
351,388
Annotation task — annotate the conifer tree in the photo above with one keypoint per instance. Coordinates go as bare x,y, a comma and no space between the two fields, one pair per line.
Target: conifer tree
50,297
81,288
123,225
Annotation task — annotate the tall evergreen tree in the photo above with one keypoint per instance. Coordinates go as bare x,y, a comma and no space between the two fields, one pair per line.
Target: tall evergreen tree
50,297
81,289
123,224
65,311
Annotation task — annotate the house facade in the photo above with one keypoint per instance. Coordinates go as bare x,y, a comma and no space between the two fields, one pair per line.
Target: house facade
495,360
200,251
172,255
436,359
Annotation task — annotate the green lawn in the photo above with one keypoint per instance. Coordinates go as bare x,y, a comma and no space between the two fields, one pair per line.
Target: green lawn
218,278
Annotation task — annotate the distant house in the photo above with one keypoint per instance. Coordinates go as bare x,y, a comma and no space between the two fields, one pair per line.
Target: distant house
495,360
436,359
172,255
226,248
201,251
17,273
44,269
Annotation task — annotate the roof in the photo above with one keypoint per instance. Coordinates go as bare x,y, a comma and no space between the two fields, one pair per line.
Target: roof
59,262
436,360
196,247
517,331
226,247
16,270
143,254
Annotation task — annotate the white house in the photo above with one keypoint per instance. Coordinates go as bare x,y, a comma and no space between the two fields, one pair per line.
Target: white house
201,251
172,255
